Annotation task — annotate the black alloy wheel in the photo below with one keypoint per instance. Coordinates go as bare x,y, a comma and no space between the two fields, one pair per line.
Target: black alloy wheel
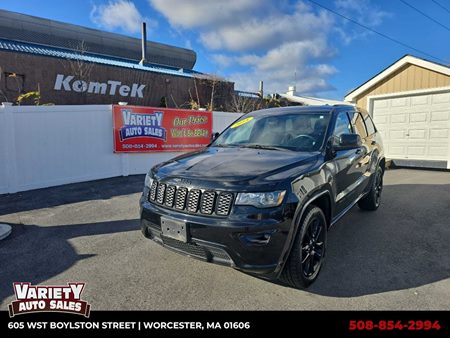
308,252
378,187
313,247
373,198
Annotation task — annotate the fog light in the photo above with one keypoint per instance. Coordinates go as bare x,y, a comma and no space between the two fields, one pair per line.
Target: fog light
262,238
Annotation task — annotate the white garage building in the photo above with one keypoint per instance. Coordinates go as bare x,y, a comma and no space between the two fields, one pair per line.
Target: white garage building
410,104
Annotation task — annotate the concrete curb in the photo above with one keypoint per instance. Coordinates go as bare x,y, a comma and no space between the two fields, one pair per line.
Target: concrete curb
5,230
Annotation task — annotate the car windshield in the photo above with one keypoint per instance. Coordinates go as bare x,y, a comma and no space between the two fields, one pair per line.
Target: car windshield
297,132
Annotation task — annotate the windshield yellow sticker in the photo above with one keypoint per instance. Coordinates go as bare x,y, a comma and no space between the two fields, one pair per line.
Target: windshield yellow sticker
241,122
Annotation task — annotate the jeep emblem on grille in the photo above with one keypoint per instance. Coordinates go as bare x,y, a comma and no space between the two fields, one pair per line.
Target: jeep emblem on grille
186,181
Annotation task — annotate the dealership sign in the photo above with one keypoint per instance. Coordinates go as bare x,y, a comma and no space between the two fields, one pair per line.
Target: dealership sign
68,83
147,129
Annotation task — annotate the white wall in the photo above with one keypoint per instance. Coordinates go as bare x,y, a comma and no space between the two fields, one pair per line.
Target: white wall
52,145
222,119
4,142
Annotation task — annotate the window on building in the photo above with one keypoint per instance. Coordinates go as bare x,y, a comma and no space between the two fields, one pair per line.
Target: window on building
14,82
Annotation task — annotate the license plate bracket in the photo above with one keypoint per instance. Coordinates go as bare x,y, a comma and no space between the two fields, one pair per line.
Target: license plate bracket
175,229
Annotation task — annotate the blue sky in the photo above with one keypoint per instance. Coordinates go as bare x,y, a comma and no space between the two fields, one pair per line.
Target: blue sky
282,42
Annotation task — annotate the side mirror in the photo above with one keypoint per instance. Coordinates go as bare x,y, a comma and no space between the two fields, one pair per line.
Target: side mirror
214,136
348,141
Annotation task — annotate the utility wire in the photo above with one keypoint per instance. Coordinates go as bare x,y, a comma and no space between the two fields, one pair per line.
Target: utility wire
380,34
442,6
425,15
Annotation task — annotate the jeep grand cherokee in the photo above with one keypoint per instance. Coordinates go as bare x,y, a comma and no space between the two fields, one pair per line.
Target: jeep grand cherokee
261,197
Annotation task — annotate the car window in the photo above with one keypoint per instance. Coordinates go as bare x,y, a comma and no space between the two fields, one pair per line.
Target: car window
369,125
297,131
242,134
358,124
342,125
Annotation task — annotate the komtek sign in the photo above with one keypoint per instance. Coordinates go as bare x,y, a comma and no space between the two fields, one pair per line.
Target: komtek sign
149,129
69,83
37,298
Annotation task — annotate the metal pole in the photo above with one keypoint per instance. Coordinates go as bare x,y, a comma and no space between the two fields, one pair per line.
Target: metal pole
144,44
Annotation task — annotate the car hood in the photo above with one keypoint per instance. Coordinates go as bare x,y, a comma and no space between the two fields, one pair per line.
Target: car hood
233,164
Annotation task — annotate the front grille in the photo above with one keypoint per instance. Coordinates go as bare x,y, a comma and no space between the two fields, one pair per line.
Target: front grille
153,190
181,198
224,203
170,195
207,253
193,201
219,254
207,204
189,248
160,194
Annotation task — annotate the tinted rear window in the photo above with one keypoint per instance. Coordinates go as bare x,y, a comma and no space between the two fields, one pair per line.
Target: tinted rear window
369,125
358,124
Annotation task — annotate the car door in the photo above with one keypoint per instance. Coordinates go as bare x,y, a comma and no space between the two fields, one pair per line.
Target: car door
347,165
364,165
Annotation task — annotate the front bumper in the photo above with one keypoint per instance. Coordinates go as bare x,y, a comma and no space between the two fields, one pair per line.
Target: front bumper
249,239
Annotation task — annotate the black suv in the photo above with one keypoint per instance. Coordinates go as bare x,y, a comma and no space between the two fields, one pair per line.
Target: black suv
263,194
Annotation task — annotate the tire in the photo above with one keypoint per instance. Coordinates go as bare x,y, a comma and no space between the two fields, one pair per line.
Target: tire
308,252
373,199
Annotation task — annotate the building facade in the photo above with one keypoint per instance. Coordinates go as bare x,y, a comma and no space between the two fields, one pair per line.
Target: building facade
69,64
410,104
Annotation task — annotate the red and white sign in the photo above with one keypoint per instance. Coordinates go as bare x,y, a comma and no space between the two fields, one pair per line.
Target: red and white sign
149,129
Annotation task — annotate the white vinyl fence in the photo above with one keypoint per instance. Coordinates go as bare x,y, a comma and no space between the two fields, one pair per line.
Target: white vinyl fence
43,146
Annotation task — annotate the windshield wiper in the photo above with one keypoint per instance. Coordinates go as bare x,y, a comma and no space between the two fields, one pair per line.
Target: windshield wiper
225,145
259,146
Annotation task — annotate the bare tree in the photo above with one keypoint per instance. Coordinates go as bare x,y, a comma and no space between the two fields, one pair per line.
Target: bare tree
242,104
197,100
78,67
1,92
213,80
210,81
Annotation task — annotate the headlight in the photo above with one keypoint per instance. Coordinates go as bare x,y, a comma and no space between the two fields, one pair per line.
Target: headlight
148,181
261,199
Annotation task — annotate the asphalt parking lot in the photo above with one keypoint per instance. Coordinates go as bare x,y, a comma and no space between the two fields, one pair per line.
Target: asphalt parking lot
397,258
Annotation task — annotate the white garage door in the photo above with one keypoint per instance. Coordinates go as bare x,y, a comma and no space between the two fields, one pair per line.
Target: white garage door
414,127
